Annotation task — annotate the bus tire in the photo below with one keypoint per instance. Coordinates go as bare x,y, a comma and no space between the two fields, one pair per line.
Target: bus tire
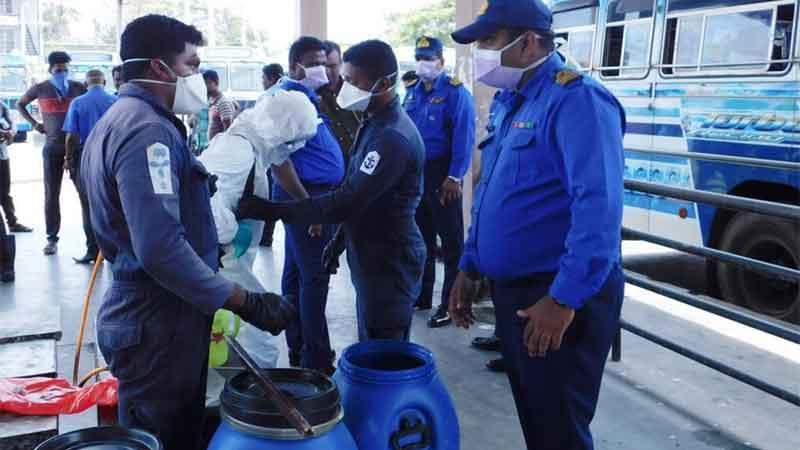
768,239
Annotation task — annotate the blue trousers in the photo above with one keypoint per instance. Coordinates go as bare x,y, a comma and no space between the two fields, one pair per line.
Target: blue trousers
305,285
157,346
447,222
556,396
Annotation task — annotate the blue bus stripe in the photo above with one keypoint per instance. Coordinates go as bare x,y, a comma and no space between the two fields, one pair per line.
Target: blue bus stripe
655,129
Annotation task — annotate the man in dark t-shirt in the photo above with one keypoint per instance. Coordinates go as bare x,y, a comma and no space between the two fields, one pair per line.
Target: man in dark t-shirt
54,96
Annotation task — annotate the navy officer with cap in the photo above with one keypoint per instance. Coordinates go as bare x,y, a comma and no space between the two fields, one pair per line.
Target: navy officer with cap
377,200
546,222
444,113
151,213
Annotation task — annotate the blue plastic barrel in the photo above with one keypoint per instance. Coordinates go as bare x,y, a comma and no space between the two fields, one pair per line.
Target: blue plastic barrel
394,399
250,421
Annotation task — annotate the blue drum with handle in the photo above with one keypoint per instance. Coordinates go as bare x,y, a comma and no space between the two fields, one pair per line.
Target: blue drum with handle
393,398
250,421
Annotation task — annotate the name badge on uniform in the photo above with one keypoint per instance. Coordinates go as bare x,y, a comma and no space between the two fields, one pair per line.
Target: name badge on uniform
437,100
522,125
370,162
159,165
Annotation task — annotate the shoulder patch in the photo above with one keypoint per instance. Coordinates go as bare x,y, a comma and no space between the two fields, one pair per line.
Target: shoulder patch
370,162
567,76
158,163
455,82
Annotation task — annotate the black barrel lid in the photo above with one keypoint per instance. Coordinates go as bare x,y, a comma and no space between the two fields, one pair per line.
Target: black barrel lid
103,438
314,394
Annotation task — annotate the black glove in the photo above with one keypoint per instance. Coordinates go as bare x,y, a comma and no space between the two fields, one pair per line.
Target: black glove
253,207
332,252
267,312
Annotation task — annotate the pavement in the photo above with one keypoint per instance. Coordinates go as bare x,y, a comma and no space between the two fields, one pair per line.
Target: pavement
652,400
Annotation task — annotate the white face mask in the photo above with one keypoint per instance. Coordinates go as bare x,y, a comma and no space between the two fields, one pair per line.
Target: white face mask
428,70
490,70
316,77
191,94
352,98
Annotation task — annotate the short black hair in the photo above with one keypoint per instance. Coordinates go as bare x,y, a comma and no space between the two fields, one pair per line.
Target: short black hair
376,58
58,57
211,75
116,69
302,46
411,75
154,37
331,47
274,70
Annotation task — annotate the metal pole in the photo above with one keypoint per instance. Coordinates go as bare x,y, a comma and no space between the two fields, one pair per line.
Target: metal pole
716,365
774,270
616,347
754,162
784,331
783,210
119,25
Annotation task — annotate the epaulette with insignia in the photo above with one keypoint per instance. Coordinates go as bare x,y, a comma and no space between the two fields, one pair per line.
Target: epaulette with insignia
456,82
567,76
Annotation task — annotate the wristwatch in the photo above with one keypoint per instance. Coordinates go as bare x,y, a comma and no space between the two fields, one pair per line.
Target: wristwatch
457,180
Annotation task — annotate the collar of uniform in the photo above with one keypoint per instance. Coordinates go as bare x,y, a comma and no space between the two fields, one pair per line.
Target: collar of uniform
438,84
133,89
387,112
543,73
96,88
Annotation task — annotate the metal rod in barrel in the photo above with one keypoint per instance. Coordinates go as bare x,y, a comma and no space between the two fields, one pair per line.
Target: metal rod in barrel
284,404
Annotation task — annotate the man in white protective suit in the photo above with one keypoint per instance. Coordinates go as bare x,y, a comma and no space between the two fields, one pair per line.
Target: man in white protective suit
261,136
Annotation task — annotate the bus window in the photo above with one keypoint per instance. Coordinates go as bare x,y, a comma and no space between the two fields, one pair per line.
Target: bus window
729,41
576,28
687,49
246,77
626,50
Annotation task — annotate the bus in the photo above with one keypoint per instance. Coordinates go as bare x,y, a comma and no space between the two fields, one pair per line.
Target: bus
704,76
239,70
85,60
14,79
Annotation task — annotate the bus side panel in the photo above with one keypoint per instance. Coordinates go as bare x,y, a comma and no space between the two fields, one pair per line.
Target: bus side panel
635,98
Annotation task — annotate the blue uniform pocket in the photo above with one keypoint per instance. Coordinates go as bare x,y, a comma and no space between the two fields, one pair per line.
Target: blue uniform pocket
120,345
522,144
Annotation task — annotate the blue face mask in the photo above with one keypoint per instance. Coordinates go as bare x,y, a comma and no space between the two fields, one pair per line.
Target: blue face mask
60,81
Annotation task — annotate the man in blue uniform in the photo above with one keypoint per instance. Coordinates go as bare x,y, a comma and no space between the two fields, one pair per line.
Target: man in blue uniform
546,222
151,214
316,169
377,200
82,115
443,111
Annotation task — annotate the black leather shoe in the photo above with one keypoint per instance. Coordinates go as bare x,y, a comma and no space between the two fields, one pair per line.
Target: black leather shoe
51,248
496,365
490,344
88,258
19,228
439,319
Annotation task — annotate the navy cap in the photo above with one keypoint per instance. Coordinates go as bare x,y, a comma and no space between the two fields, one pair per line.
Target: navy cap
427,47
497,14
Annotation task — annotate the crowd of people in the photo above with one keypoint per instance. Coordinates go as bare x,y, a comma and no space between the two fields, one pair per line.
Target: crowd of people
377,177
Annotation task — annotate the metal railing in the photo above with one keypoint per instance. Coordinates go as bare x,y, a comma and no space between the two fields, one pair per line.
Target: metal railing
734,313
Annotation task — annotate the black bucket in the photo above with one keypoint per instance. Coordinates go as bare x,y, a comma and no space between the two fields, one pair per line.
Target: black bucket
103,438
314,394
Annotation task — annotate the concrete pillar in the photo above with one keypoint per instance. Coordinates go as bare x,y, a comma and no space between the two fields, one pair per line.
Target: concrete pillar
466,10
313,16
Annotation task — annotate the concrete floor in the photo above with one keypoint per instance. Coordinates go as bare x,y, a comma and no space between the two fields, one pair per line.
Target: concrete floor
652,400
